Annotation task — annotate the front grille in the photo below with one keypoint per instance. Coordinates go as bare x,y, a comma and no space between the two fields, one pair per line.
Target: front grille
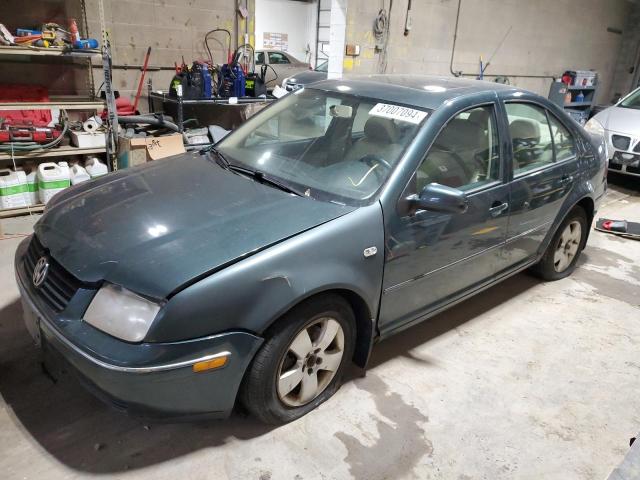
632,169
615,166
626,158
620,142
59,285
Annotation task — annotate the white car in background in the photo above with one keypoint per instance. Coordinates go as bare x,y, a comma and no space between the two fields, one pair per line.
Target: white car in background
619,125
280,66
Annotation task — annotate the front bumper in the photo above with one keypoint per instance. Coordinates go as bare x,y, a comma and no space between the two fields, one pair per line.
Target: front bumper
144,378
625,161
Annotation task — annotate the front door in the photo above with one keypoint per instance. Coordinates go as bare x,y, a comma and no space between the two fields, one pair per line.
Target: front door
542,160
433,257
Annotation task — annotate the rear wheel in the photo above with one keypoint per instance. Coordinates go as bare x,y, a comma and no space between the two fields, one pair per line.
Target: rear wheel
561,256
302,361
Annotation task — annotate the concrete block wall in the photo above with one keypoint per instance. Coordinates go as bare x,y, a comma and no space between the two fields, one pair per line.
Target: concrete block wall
172,28
546,37
628,61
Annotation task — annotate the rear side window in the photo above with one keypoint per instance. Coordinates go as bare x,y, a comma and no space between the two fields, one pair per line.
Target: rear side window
466,153
276,58
259,58
563,142
530,136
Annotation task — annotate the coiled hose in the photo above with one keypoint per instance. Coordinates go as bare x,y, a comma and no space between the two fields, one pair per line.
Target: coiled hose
380,25
151,120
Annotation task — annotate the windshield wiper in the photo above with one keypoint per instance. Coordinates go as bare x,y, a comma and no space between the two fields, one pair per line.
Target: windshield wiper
255,174
220,158
260,177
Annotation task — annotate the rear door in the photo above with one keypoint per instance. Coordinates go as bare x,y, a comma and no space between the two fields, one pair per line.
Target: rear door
541,174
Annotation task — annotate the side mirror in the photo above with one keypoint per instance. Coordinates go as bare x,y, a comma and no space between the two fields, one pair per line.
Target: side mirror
440,198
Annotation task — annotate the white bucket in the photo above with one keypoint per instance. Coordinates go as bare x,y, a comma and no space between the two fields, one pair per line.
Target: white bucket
52,178
13,189
95,167
32,188
78,174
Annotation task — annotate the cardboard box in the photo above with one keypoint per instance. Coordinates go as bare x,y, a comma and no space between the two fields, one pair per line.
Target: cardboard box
139,150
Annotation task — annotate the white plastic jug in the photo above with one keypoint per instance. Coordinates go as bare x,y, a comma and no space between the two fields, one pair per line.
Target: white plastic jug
32,188
78,174
95,167
13,189
52,178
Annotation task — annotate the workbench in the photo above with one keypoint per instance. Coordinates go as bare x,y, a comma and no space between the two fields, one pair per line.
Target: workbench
215,111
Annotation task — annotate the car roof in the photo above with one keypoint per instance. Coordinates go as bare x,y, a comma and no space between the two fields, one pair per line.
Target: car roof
424,91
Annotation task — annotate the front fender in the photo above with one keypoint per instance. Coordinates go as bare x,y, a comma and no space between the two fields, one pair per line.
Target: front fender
251,294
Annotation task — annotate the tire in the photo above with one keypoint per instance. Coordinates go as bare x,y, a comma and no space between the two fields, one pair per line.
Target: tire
557,263
280,362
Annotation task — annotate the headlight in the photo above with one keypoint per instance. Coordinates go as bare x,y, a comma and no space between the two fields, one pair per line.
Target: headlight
121,313
594,127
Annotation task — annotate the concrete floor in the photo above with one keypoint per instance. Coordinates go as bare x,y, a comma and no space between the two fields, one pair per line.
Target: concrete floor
528,380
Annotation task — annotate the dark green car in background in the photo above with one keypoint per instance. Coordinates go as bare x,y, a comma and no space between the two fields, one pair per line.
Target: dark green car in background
339,215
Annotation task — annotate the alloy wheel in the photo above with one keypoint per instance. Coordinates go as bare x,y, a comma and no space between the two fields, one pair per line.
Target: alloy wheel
568,246
310,362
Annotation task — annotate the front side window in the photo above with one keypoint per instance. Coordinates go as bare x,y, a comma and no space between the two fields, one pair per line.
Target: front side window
530,136
336,147
466,153
276,58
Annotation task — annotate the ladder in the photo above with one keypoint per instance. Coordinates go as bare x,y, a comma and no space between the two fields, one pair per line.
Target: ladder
323,25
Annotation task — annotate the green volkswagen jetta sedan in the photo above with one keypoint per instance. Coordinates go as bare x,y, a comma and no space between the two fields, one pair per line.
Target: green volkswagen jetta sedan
339,215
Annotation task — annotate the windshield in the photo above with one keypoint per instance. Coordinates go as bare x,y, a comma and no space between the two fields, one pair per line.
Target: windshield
632,101
330,146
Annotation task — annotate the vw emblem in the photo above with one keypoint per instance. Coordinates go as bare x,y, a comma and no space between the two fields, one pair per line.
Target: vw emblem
40,271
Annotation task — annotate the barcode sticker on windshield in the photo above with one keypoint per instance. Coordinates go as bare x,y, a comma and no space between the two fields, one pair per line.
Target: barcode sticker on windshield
396,112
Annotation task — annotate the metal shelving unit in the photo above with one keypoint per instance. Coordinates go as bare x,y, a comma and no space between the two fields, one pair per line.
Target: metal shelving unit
16,212
85,99
63,104
64,151
579,110
46,52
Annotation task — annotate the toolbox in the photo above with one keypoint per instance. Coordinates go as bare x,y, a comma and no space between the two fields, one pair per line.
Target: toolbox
27,133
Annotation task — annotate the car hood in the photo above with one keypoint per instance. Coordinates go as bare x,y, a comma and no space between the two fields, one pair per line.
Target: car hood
621,120
155,228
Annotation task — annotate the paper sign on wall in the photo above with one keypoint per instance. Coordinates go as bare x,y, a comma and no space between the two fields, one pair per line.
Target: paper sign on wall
277,41
396,112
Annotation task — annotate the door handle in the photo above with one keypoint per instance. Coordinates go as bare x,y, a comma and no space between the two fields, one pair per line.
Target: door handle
566,180
497,208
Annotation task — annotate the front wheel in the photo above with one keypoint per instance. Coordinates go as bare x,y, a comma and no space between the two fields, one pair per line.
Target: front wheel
561,256
302,361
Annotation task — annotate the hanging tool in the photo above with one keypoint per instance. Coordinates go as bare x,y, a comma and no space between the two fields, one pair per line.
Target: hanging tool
144,72
484,67
407,20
